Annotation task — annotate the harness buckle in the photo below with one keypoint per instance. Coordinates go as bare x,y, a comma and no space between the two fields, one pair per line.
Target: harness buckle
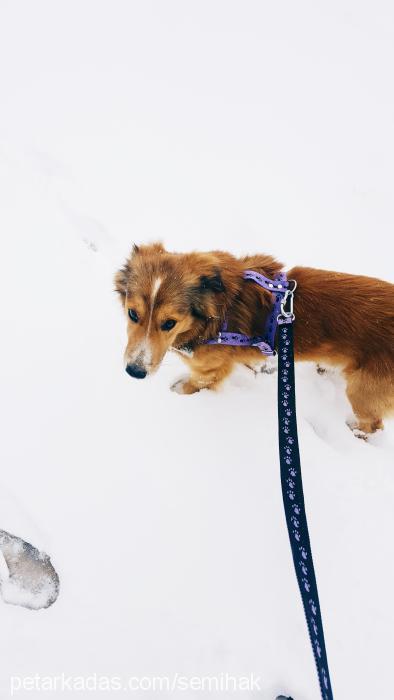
288,298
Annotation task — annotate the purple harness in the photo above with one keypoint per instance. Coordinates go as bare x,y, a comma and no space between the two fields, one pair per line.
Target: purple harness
279,287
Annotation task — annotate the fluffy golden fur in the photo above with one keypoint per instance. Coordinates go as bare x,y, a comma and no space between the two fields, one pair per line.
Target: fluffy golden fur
177,300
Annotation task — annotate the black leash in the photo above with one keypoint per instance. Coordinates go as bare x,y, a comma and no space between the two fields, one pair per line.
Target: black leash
290,467
293,499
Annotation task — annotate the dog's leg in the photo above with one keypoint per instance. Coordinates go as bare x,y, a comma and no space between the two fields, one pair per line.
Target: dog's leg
369,399
209,367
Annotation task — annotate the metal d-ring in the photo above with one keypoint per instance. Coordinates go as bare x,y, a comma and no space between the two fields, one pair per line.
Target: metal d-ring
289,296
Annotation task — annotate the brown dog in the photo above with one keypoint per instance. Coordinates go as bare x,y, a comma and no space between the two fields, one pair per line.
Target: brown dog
175,301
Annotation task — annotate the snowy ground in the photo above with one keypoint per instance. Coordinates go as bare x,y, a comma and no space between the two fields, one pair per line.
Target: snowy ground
249,126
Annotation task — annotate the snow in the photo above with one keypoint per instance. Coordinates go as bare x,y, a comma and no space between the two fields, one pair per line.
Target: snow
257,127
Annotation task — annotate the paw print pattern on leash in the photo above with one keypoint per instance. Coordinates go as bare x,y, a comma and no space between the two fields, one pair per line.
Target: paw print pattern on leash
292,491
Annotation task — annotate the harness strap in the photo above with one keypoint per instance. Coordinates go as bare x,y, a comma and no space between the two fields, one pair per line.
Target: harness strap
293,500
272,321
226,338
266,342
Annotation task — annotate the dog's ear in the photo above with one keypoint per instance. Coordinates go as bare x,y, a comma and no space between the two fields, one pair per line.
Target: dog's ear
123,275
121,279
214,283
205,295
149,249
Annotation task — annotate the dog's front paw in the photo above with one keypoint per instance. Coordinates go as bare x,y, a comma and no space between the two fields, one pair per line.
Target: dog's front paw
184,386
360,434
366,428
356,430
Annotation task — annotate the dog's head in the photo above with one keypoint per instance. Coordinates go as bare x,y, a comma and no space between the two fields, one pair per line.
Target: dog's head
170,299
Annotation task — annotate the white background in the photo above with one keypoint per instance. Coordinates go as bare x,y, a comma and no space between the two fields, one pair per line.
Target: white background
248,126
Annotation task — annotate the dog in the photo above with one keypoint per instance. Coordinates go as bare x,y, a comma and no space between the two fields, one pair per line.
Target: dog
176,301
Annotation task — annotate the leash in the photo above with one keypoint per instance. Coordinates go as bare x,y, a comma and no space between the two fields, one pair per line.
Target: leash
293,497
281,319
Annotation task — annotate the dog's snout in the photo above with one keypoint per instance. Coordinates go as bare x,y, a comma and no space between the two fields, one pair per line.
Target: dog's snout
136,371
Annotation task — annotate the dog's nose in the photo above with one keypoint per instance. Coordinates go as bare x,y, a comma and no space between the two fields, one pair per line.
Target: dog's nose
136,371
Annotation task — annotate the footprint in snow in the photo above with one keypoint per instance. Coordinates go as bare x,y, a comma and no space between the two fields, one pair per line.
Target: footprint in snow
27,577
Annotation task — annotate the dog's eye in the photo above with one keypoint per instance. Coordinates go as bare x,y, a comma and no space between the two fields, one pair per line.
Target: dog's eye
167,325
133,316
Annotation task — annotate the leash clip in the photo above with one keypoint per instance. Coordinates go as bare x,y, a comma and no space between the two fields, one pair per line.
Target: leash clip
288,314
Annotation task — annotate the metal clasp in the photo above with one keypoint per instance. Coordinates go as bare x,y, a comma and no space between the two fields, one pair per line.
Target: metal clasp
288,299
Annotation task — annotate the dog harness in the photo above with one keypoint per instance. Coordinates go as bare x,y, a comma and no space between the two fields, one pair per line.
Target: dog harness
279,287
289,455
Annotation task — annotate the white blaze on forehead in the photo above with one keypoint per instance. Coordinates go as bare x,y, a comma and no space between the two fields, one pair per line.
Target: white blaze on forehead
155,289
